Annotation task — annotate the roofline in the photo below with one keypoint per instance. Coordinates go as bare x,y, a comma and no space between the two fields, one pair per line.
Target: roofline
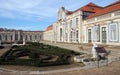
110,5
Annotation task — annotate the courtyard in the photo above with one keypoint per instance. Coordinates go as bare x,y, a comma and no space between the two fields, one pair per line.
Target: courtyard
73,69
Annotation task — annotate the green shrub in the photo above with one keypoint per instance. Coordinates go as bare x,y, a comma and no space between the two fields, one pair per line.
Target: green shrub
33,50
34,55
15,46
6,42
19,42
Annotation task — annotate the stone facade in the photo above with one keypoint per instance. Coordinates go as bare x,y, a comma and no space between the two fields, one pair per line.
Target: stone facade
18,35
48,34
109,26
88,24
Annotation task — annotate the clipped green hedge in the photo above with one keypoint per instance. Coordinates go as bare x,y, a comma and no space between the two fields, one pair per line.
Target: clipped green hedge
33,62
33,50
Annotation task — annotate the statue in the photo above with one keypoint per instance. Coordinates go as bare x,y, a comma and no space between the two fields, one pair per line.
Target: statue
24,41
94,53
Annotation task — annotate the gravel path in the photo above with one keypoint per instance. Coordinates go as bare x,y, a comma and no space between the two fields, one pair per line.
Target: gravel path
88,66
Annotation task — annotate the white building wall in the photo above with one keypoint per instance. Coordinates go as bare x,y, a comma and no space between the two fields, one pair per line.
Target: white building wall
64,22
48,36
104,21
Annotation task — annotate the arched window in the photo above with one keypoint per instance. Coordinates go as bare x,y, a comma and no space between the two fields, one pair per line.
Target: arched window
60,33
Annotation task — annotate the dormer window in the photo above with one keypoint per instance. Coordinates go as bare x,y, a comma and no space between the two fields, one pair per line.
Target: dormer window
86,14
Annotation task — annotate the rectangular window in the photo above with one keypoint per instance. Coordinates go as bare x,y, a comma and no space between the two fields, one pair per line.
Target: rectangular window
66,28
71,23
6,37
16,36
30,37
25,37
66,36
21,37
36,37
40,37
96,33
76,22
113,32
71,35
11,37
77,35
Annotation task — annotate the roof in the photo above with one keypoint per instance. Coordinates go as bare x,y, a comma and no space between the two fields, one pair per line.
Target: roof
49,28
69,12
32,31
91,7
110,8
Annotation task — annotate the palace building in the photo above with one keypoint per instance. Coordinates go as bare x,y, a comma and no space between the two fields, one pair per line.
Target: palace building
48,34
88,24
20,35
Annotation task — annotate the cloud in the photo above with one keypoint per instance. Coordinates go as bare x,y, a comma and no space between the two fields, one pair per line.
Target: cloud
27,9
38,9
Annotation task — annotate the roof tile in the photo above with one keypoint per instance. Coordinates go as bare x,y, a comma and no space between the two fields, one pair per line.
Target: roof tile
110,8
49,28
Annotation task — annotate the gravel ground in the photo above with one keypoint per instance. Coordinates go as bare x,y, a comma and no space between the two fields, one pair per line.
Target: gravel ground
111,69
2,51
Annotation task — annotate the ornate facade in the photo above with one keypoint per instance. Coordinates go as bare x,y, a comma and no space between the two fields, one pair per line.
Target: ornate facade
88,24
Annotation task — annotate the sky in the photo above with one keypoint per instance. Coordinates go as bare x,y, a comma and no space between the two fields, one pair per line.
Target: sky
37,15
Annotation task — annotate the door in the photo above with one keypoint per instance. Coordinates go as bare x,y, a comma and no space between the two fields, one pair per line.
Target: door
104,35
89,35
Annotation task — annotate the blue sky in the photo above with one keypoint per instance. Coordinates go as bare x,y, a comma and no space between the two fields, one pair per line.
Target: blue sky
37,14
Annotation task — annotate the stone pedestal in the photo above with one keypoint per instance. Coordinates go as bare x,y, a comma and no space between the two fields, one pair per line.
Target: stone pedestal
0,42
94,53
24,42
